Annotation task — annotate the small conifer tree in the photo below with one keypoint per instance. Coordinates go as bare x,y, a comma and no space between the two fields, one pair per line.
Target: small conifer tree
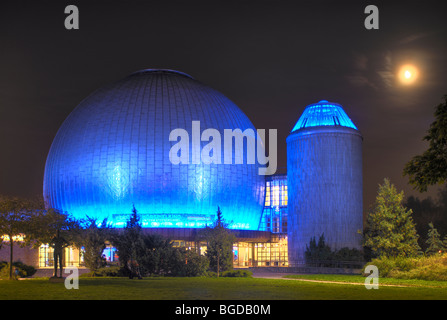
390,230
435,244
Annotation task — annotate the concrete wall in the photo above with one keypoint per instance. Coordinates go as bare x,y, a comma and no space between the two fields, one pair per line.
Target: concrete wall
26,255
325,186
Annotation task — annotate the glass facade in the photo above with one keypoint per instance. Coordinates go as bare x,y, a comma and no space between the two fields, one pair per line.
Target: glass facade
114,149
245,254
274,217
72,257
261,254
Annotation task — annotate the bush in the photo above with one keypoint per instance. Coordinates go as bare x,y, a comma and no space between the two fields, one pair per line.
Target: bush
105,272
432,268
23,270
319,254
348,254
211,274
318,251
237,273
188,263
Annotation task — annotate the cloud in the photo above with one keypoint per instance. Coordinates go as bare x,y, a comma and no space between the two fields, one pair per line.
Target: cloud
374,70
386,73
413,37
359,80
358,77
360,62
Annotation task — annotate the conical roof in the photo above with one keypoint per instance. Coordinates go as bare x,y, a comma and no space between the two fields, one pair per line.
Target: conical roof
324,113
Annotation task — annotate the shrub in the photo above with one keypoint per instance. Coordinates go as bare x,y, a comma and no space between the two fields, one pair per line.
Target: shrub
211,274
422,268
237,273
318,251
348,254
197,264
319,254
188,263
23,270
105,272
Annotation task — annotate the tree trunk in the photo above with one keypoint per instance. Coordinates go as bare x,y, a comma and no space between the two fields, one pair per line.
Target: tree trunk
218,267
11,244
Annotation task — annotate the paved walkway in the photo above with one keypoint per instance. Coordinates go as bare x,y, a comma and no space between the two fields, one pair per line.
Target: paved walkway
272,275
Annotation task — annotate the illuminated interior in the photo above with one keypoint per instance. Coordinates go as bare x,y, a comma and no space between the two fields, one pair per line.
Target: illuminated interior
274,216
72,257
323,113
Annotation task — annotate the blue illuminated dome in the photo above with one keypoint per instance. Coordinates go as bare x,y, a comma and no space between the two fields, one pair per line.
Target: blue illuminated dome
323,113
113,151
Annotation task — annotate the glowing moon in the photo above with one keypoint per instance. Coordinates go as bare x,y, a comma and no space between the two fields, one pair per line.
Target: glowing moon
408,74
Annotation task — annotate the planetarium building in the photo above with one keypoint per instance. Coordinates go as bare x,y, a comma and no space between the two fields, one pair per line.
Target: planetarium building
141,142
115,149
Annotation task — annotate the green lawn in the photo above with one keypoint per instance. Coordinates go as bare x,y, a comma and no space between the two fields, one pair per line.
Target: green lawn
361,280
218,289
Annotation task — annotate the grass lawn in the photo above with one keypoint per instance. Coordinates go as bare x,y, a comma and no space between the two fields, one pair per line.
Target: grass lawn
221,289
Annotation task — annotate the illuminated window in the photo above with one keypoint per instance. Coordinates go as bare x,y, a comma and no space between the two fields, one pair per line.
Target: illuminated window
284,197
45,256
71,257
267,195
275,196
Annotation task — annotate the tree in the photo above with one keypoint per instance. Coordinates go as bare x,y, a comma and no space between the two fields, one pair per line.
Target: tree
189,263
318,251
435,244
56,228
427,211
15,214
130,245
441,222
157,254
430,168
93,239
390,230
219,244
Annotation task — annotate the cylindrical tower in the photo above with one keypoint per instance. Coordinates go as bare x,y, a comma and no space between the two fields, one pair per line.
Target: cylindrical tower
324,177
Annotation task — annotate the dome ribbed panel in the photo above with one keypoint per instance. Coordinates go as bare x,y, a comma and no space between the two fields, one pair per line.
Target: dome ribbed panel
112,152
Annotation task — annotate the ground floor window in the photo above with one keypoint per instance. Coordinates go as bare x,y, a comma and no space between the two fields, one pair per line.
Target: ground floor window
45,256
110,254
72,257
245,254
260,254
190,245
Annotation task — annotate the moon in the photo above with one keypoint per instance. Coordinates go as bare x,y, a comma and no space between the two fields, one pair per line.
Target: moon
408,74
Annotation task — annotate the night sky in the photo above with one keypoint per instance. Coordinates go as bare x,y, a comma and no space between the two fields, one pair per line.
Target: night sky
272,58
